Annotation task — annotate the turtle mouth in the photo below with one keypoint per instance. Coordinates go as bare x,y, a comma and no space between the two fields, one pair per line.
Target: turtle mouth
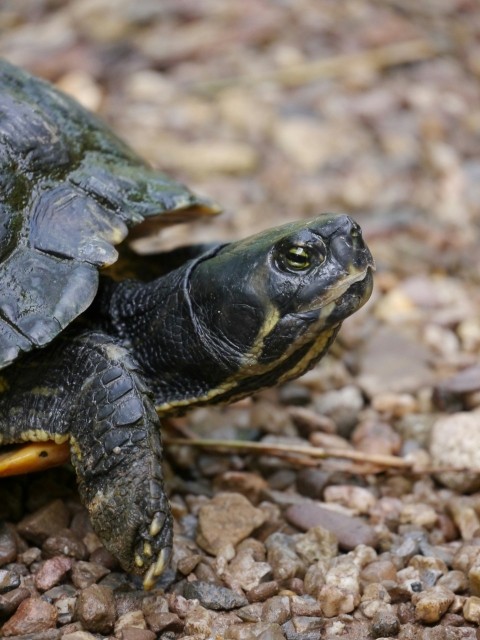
357,285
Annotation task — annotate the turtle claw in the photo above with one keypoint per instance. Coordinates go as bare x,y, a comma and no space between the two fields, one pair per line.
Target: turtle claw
156,569
157,524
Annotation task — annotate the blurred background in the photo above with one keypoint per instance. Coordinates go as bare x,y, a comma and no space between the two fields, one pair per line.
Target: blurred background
281,109
284,109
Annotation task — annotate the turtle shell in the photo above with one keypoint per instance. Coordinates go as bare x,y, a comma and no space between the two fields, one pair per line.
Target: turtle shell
69,192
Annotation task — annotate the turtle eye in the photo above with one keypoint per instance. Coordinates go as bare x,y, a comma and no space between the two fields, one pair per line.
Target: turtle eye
298,258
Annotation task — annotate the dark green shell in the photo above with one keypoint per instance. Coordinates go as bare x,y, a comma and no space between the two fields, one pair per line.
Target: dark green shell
69,191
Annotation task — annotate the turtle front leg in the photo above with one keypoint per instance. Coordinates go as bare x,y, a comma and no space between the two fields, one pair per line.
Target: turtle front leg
88,390
116,453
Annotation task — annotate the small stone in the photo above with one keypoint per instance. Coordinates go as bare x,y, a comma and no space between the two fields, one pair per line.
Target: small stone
317,544
471,609
213,596
66,543
44,522
251,485
282,557
79,635
263,591
465,517
137,634
100,556
305,606
303,628
95,609
198,622
341,592
378,571
276,609
374,436
454,580
30,555
32,616
10,601
342,405
130,619
420,515
86,573
455,442
349,531
431,604
385,623
51,572
255,631
8,580
226,519
8,544
244,572
312,482
357,499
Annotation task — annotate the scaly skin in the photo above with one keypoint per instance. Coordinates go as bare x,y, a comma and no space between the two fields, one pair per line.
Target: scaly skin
87,389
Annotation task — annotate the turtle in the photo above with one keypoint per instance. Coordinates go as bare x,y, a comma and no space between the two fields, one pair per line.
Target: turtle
91,360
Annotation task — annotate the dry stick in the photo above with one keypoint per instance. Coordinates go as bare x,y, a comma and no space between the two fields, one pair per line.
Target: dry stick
377,58
282,449
287,451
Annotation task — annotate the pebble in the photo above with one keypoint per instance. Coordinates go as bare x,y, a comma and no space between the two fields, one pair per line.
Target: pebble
198,622
471,609
137,634
312,482
255,631
282,557
276,609
431,604
393,362
376,437
8,580
385,624
341,592
263,591
32,616
79,635
358,499
303,628
455,442
8,544
317,544
226,519
51,572
213,596
349,531
342,406
131,619
95,609
244,571
378,571
251,485
10,601
66,543
44,522
86,573
465,517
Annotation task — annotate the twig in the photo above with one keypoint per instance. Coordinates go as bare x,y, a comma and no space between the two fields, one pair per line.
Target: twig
261,448
294,75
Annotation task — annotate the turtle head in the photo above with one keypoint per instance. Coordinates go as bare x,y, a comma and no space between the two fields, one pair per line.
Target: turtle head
266,308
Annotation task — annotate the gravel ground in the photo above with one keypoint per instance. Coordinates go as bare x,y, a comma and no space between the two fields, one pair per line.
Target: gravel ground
281,110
